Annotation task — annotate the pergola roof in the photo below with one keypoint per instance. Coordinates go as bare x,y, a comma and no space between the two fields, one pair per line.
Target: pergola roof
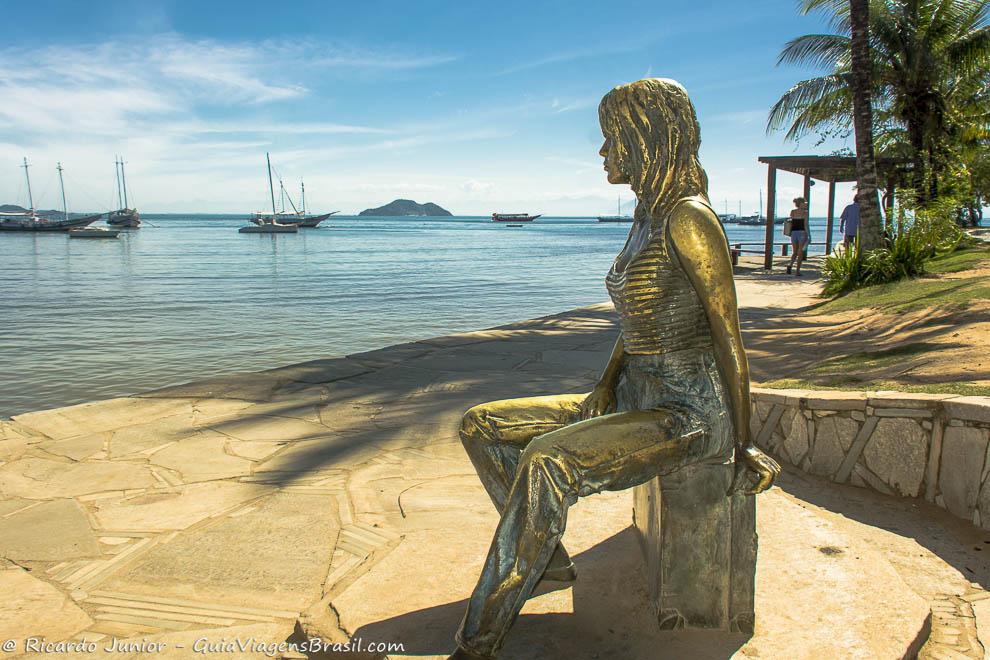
830,168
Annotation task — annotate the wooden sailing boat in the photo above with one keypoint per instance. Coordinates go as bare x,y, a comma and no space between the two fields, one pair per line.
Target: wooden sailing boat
268,224
123,216
513,217
29,220
309,220
82,232
297,216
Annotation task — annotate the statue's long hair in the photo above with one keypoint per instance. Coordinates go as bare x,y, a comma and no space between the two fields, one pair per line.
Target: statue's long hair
653,126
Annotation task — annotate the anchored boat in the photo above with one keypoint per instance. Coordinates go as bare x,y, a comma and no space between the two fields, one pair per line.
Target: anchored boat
269,224
93,232
123,216
618,217
29,220
297,217
513,217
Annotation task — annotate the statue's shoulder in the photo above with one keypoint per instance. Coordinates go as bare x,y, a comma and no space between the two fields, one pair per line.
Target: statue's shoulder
693,211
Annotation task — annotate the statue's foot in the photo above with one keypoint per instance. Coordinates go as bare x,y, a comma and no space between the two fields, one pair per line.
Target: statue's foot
463,654
562,574
560,568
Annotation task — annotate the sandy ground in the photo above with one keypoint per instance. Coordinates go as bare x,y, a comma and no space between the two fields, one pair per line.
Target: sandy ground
786,339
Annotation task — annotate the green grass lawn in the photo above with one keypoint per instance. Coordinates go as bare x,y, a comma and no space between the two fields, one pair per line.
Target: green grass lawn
961,388
960,260
869,360
880,369
920,292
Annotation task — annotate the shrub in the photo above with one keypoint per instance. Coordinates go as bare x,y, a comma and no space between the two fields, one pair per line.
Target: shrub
931,231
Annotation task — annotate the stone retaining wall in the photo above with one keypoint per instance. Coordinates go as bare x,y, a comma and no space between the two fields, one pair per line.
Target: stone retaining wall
933,446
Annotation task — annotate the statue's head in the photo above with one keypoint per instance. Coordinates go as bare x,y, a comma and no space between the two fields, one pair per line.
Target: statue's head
652,139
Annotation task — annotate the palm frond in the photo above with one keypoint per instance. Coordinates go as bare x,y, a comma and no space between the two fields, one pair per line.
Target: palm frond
836,11
805,105
971,51
816,50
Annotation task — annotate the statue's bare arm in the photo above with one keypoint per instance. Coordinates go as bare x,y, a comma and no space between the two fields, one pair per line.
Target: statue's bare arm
601,401
700,245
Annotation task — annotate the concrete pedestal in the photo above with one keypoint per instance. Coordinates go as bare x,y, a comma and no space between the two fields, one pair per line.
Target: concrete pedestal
700,548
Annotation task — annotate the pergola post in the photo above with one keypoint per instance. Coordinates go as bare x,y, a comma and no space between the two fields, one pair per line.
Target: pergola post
771,209
891,224
807,221
831,217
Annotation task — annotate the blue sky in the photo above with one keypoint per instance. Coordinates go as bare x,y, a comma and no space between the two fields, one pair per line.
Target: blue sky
479,107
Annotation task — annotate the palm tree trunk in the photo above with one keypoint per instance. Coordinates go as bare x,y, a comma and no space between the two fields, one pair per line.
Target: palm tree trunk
866,168
916,136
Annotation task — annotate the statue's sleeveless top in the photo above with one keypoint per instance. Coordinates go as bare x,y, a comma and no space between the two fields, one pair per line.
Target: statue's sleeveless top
659,310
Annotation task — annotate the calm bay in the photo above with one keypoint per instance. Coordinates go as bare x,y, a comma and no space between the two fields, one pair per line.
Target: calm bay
187,297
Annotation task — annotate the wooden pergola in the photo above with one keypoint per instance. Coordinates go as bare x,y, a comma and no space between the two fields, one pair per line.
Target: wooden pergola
831,169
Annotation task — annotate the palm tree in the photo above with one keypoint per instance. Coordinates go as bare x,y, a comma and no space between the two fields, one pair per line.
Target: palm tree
923,52
866,167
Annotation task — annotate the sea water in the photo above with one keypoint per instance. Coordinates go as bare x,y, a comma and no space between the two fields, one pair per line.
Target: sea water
188,297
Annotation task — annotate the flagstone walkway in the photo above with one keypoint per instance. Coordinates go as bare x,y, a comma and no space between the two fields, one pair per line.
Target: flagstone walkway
333,498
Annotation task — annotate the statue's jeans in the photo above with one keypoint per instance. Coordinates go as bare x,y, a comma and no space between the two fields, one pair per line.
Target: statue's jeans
535,457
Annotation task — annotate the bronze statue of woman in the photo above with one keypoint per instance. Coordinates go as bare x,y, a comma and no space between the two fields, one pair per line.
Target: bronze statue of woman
675,390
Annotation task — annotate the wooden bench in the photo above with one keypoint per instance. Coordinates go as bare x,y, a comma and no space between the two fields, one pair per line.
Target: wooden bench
738,249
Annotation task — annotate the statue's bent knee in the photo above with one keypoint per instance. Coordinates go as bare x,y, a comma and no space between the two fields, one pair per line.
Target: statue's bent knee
474,424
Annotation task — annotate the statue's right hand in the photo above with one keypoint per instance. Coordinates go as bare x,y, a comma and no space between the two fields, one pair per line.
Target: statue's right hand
601,401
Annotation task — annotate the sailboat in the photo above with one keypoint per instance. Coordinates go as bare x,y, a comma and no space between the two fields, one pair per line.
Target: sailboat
309,220
618,217
268,224
29,220
757,218
123,216
82,232
296,216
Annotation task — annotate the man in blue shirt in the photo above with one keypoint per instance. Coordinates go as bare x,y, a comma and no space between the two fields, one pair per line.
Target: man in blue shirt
849,222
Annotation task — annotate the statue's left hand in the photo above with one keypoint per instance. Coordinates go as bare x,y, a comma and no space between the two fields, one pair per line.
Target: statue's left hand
601,401
752,463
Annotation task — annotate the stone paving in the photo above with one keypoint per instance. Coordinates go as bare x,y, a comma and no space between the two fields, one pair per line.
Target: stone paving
333,498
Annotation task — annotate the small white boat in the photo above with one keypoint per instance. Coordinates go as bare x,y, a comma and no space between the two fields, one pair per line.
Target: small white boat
618,217
269,228
93,232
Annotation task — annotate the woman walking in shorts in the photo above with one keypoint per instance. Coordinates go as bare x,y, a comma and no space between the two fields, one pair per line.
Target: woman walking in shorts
799,233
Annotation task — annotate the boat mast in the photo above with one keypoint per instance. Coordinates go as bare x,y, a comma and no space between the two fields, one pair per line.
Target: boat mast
116,167
271,186
123,180
61,184
302,193
28,179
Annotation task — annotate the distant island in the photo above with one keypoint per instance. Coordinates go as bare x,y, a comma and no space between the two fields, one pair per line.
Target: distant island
14,208
406,207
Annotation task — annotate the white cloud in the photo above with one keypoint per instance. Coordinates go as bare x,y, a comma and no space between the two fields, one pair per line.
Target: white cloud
627,45
125,86
191,115
475,187
559,106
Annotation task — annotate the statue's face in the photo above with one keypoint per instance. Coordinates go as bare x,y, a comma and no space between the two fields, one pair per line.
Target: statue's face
613,168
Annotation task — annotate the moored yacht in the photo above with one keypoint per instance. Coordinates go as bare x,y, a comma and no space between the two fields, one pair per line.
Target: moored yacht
269,224
123,216
30,220
513,217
